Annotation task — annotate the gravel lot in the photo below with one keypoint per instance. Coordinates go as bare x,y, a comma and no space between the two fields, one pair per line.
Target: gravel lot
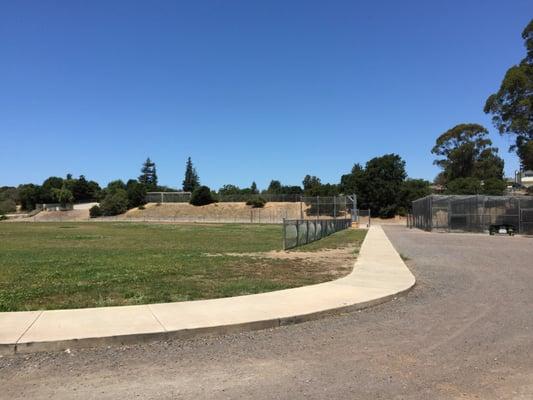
464,332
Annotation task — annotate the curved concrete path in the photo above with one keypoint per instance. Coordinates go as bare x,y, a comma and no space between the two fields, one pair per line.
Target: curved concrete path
378,275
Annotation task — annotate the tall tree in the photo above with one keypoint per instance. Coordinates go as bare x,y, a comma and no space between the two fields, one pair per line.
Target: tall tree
382,184
253,188
148,175
512,106
191,181
466,151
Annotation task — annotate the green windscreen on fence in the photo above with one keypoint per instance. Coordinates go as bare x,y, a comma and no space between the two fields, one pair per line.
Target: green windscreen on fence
297,232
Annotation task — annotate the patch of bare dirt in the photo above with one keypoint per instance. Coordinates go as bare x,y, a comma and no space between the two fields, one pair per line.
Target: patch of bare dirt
337,262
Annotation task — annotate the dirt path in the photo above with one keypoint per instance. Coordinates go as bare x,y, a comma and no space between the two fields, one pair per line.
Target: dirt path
464,332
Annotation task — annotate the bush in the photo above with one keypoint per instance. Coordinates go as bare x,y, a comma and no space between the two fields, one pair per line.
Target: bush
202,196
95,211
115,203
2,217
7,206
141,207
530,190
257,202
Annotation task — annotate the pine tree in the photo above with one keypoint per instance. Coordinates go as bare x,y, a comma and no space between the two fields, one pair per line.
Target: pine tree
148,175
253,188
191,180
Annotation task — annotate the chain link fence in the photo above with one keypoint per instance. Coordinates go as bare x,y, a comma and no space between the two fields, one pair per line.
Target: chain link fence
298,232
472,213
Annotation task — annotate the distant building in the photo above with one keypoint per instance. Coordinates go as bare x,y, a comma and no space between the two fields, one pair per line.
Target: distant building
524,178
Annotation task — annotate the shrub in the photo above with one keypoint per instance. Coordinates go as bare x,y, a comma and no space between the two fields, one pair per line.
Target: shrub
202,196
7,206
115,203
95,211
530,190
2,217
257,202
142,207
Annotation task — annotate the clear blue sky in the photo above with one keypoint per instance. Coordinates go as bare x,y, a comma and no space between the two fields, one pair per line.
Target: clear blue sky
251,90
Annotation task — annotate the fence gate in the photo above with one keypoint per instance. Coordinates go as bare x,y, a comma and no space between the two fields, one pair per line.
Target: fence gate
526,221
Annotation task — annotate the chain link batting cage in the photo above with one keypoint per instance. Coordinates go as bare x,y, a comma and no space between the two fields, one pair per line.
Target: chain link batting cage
472,213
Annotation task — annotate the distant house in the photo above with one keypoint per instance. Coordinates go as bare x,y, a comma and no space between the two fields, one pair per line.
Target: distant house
524,178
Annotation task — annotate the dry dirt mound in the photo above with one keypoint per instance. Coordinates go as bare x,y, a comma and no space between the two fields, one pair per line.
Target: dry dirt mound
218,211
73,215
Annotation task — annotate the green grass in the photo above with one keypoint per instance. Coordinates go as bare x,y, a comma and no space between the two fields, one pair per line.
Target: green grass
72,265
338,240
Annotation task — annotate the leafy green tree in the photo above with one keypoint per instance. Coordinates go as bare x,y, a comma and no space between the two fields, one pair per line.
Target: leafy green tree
148,176
7,206
311,185
191,181
29,195
274,187
229,190
95,211
466,151
63,196
382,184
353,182
468,185
494,187
202,196
48,187
136,193
115,202
512,106
413,189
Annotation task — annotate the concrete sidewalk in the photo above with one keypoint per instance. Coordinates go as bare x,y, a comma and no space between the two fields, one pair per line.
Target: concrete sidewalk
379,274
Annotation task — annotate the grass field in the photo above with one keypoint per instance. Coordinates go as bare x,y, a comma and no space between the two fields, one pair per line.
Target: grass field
72,265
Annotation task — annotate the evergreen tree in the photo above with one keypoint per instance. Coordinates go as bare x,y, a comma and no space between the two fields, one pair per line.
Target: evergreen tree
148,176
191,180
253,188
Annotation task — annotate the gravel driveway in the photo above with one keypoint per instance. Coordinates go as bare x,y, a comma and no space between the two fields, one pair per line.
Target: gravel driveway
464,332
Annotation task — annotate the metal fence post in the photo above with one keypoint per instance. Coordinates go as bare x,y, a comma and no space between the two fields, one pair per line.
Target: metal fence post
284,235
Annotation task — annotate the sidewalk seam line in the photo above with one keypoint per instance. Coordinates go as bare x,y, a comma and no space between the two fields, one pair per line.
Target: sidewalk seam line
157,319
29,326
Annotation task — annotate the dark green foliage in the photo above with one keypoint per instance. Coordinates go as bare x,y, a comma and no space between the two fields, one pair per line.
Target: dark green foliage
512,106
466,151
136,193
95,211
256,202
379,186
191,180
274,187
202,196
229,190
29,196
148,176
7,206
494,187
63,195
383,181
84,191
253,188
411,190
464,186
529,191
115,202
48,187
